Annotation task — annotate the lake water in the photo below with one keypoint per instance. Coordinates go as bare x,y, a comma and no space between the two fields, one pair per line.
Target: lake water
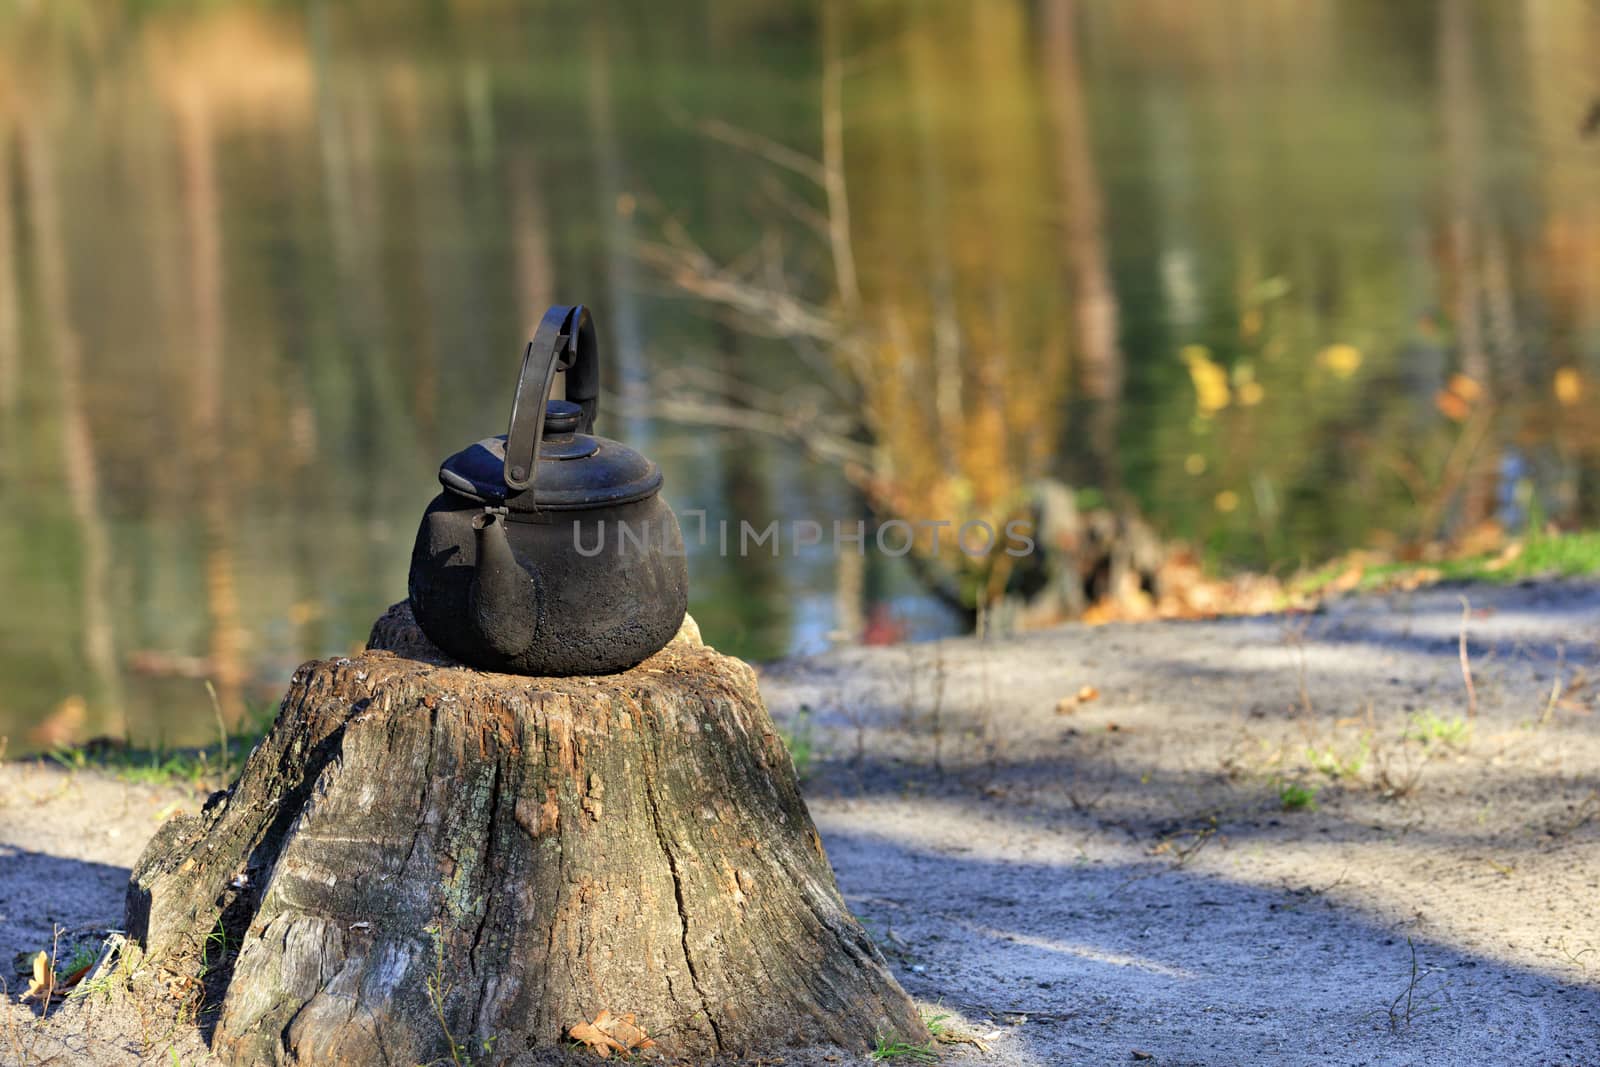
1291,276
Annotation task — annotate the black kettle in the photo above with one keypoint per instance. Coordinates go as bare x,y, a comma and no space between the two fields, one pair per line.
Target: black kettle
550,550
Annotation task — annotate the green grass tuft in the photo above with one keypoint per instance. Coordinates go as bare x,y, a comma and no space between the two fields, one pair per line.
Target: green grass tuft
1538,555
201,768
1430,728
1295,796
1337,765
798,742
889,1048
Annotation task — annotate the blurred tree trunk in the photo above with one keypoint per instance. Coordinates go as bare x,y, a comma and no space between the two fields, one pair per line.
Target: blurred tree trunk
530,240
1461,106
80,467
207,406
623,318
1094,297
927,78
10,302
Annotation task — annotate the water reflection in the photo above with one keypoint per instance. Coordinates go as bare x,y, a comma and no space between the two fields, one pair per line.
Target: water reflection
1289,276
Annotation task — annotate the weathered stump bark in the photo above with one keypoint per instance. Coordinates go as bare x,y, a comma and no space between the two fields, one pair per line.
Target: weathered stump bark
422,856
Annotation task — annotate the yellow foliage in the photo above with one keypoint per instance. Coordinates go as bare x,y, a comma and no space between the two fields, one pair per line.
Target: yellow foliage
1211,390
1226,501
1194,463
1250,394
1568,386
1340,360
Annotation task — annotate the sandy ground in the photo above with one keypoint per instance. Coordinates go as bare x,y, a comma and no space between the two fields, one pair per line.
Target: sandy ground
1117,879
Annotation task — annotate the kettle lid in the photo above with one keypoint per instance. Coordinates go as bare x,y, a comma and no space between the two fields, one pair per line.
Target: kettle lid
575,471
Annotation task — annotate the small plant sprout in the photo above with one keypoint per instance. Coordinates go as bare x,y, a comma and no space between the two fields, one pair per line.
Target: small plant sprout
1576,958
202,769
1297,796
1411,1002
891,1049
798,742
1336,765
439,989
1431,728
83,955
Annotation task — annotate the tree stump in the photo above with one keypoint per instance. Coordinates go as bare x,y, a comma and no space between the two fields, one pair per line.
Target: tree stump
422,859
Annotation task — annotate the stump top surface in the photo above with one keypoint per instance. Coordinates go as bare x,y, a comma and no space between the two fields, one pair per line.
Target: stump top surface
399,648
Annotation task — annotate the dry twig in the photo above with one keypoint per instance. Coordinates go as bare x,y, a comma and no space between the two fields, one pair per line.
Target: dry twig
1466,664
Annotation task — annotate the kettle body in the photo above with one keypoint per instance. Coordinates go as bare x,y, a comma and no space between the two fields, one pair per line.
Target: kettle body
590,600
550,550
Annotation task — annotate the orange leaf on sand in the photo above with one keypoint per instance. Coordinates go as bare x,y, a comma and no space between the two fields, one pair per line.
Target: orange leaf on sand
1085,694
76,976
610,1033
598,1042
44,980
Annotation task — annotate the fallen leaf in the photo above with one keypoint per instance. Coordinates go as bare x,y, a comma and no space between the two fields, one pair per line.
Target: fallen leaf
610,1033
597,1041
953,1036
1084,695
1507,556
76,976
1347,580
44,980
627,1031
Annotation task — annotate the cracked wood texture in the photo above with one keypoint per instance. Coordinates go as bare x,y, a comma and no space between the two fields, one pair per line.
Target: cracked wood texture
420,855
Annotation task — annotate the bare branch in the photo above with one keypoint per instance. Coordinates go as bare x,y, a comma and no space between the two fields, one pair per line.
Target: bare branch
844,260
777,314
799,210
773,152
799,426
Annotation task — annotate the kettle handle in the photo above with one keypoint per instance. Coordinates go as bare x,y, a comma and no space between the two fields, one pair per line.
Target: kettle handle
565,340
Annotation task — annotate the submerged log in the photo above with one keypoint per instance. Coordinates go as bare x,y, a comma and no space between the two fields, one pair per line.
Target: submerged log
422,859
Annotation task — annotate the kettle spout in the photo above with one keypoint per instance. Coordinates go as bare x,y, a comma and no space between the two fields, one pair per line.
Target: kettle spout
505,596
